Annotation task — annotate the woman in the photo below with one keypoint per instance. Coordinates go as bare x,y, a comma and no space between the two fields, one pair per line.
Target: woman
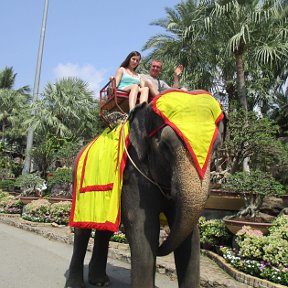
128,79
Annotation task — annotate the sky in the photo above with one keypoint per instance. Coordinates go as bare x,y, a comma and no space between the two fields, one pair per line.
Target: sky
88,39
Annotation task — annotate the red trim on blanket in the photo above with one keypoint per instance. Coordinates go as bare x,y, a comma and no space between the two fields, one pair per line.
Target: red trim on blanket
84,164
96,188
201,172
114,227
75,184
151,134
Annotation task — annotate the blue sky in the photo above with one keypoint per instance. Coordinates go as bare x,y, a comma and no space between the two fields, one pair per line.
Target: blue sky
84,38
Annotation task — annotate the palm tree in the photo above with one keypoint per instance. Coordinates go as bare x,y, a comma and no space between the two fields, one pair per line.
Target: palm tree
255,29
212,37
67,109
7,80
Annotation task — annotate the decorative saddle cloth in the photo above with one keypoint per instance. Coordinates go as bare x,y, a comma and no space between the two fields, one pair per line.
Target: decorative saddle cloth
194,117
99,168
98,181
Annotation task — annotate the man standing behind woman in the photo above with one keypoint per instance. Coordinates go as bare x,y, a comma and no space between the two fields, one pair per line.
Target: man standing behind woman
128,79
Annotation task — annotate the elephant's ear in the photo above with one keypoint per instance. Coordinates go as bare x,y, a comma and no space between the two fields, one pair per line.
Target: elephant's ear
139,125
222,132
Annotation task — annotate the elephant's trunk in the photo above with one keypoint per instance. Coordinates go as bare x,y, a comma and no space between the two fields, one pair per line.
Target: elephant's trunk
190,197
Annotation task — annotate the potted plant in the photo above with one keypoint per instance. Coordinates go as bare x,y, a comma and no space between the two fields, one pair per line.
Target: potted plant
31,187
253,187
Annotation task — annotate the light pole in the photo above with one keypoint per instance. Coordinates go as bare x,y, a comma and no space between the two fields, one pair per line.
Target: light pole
27,162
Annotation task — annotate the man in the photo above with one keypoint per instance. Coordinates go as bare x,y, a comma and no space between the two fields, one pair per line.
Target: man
156,85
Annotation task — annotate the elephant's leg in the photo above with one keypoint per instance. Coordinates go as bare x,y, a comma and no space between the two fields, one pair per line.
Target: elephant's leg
187,261
81,239
97,266
144,240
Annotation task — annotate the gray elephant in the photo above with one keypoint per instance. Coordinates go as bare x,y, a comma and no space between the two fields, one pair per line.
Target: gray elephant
180,193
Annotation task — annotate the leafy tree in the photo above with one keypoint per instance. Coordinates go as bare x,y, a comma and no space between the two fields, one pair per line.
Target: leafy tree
222,42
13,112
67,109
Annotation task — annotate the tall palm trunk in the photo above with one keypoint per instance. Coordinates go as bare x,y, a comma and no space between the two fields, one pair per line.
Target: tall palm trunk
241,79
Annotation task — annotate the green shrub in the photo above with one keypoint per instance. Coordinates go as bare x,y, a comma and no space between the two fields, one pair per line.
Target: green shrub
252,247
213,232
3,195
7,185
60,182
253,186
276,251
261,269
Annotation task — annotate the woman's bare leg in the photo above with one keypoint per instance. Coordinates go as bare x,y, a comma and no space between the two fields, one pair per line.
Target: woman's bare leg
133,92
144,93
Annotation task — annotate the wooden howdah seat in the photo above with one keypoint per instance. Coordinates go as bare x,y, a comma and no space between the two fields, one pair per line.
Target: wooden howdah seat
113,101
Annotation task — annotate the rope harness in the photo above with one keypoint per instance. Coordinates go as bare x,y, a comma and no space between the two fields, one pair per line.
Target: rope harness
138,169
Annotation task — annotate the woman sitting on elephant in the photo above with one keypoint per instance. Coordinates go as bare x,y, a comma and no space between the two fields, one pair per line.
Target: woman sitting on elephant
128,79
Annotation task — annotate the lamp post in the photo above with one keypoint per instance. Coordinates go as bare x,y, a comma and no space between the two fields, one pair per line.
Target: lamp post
27,162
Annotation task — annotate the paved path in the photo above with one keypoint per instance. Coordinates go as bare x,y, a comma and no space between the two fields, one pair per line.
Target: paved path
29,260
211,274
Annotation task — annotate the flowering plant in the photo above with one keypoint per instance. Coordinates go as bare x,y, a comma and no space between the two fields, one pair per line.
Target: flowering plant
119,237
59,212
42,211
262,256
256,268
36,210
10,204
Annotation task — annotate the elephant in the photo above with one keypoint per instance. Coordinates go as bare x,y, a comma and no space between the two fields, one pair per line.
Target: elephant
176,190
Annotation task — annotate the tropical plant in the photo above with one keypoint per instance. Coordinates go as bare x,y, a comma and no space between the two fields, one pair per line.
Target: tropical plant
7,185
226,46
67,109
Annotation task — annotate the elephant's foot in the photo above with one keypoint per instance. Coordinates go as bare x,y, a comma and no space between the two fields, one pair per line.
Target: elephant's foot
74,284
99,281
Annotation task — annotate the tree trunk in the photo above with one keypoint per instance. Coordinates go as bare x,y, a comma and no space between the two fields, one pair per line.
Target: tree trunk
241,79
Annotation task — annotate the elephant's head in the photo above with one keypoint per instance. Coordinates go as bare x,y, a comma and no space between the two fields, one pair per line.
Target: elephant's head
171,165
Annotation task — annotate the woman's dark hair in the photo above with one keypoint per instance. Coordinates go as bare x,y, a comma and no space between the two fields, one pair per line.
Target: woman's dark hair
125,63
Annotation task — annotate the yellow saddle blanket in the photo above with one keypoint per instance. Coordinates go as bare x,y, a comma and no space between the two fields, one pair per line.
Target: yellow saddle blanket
194,117
98,181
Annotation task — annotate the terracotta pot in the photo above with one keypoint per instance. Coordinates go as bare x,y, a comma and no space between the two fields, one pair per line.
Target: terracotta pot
234,225
58,199
28,199
224,200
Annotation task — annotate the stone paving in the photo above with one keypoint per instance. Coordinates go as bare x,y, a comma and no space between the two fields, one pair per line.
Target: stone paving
214,271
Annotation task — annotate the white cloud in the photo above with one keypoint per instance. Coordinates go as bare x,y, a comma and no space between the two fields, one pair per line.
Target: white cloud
87,73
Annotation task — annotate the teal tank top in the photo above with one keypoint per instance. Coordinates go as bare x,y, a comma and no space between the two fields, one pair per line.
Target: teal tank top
128,80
